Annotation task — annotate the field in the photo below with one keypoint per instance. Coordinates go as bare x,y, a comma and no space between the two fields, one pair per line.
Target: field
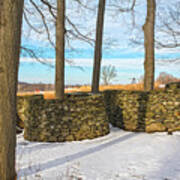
51,95
121,155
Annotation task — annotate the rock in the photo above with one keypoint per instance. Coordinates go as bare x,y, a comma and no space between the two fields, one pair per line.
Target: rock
155,127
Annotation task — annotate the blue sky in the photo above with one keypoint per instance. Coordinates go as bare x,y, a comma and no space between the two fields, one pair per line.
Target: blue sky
118,49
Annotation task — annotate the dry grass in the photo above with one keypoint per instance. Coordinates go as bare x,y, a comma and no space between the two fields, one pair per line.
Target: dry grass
118,87
51,95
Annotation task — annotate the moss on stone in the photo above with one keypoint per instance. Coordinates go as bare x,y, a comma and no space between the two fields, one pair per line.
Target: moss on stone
74,118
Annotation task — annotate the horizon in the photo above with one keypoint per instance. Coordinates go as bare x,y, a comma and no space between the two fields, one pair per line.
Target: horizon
129,64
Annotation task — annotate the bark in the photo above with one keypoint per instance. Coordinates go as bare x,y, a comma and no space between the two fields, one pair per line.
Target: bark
10,33
98,47
149,65
60,49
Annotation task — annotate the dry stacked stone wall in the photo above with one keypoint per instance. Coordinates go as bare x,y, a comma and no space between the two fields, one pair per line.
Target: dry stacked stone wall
139,111
77,117
126,109
174,86
87,116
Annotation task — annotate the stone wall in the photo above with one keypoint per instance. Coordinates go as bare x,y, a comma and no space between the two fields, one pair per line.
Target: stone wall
86,116
153,111
173,86
22,104
78,117
125,109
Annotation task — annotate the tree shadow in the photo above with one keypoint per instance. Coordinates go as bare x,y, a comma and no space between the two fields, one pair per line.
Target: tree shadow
36,147
61,161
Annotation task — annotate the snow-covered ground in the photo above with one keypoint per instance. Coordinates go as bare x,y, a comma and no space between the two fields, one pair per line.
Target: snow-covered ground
120,155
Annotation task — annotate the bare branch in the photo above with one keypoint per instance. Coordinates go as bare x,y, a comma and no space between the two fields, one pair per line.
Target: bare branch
32,54
121,9
44,22
29,23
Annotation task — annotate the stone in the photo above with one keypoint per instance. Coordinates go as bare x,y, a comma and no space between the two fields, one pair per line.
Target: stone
70,138
155,127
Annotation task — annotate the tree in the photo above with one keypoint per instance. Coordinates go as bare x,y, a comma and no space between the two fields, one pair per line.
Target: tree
45,12
165,78
108,74
60,49
51,15
98,46
10,33
148,28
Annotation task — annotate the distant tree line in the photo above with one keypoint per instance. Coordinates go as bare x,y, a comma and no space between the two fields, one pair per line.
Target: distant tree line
30,87
165,78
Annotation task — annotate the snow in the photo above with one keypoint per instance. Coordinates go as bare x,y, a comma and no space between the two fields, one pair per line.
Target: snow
121,155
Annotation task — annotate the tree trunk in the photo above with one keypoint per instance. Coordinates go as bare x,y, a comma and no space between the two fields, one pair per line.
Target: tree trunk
98,47
149,65
60,49
10,33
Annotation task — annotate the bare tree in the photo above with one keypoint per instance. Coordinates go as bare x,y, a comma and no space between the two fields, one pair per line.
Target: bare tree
149,65
10,33
60,46
98,47
52,15
165,78
46,13
108,74
167,34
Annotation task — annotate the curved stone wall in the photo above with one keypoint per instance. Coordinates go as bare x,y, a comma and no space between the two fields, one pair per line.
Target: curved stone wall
153,111
173,86
78,117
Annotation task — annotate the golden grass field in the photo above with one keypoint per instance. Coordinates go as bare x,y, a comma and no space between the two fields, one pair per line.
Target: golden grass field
51,94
